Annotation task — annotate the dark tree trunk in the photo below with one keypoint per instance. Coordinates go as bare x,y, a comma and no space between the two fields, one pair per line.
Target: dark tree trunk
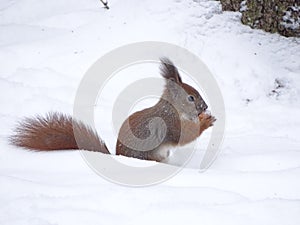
231,5
270,15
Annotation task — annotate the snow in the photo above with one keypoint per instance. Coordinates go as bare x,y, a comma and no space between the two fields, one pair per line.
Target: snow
290,21
47,46
243,6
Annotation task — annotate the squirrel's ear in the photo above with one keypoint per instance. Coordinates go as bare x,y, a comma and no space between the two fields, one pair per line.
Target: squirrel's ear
169,71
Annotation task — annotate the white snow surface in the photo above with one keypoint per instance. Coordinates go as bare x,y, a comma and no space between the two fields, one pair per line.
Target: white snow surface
47,46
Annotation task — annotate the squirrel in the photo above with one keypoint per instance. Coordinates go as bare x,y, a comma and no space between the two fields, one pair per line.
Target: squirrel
178,118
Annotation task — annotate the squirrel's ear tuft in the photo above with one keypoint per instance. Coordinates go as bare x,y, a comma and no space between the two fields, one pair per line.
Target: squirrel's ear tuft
169,71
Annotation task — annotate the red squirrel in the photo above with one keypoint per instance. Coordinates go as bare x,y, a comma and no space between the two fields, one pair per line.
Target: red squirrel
178,118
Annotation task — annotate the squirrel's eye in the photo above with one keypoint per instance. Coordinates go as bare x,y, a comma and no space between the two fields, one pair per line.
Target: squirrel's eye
191,98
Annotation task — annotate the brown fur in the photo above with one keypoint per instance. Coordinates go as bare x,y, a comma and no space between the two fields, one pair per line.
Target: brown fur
180,120
177,119
53,132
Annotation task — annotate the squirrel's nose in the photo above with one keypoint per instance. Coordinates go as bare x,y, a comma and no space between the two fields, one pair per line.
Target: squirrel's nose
201,107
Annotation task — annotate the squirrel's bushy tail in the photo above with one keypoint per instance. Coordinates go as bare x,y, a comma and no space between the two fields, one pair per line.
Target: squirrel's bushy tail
55,131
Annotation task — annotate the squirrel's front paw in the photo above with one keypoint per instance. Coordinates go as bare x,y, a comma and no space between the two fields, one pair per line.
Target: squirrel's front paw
206,120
